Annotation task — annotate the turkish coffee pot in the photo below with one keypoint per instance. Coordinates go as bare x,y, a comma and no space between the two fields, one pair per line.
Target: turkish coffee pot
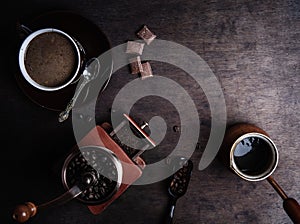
249,152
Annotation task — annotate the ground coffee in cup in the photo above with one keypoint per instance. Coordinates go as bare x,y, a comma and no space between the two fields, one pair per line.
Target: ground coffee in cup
51,59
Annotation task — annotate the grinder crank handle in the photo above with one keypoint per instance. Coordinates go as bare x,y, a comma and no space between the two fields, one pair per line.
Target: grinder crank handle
290,205
23,212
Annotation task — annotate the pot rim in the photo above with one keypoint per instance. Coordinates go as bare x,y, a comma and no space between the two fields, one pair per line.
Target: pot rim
269,171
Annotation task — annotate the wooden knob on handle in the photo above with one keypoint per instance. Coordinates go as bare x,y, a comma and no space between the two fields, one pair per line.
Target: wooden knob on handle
23,212
292,208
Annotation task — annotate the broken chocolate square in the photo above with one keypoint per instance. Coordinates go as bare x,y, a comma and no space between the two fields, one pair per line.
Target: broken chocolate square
134,47
136,65
146,35
147,70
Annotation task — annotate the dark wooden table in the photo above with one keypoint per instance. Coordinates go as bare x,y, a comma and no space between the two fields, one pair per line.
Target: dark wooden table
253,48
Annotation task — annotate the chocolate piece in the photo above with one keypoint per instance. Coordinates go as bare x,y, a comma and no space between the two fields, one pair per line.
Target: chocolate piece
146,35
136,65
147,71
134,47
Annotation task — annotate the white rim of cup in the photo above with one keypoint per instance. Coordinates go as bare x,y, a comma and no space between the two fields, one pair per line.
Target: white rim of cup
268,172
22,55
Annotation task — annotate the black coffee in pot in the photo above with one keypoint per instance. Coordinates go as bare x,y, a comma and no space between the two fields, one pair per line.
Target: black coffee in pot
253,156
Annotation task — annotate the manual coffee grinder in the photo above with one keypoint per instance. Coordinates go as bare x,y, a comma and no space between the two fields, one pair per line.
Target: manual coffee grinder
98,170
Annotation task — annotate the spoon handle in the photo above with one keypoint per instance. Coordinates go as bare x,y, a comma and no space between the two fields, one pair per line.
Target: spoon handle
65,114
171,206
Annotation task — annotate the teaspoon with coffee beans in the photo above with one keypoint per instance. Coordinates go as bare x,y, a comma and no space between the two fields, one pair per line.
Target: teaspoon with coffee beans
178,187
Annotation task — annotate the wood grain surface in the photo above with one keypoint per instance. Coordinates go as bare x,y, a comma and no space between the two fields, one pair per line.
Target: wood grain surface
252,47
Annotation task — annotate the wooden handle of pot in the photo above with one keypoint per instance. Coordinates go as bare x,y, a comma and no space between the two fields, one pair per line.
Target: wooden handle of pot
290,205
23,212
292,208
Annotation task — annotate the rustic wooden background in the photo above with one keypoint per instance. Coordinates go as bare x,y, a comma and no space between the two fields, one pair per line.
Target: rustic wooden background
253,47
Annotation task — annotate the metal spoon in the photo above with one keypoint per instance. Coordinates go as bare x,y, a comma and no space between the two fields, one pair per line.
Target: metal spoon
178,187
90,72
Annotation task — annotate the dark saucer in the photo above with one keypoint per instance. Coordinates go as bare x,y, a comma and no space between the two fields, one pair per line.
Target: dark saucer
89,35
